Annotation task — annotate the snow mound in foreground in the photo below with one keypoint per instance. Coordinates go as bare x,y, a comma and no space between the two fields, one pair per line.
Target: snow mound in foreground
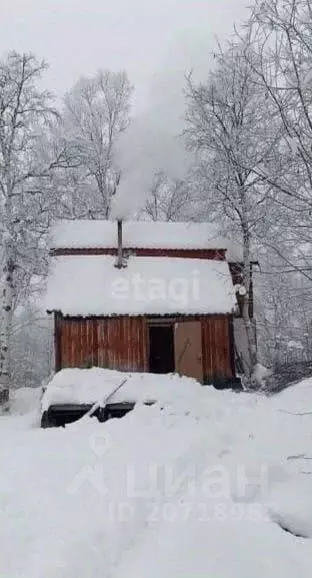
199,486
291,507
88,386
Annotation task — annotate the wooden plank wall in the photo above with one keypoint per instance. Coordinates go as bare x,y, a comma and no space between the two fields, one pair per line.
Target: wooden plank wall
217,343
122,343
114,343
78,342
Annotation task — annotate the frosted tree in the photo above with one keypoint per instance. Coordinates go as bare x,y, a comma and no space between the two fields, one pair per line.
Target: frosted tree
231,128
169,199
96,114
280,56
27,161
31,346
284,331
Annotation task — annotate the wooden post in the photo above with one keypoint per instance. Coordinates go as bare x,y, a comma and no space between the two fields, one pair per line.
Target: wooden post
58,327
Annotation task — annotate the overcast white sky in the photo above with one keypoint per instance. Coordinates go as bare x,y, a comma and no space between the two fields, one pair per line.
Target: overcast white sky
156,41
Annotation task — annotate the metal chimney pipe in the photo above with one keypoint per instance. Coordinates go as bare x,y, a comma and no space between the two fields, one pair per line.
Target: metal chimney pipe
119,264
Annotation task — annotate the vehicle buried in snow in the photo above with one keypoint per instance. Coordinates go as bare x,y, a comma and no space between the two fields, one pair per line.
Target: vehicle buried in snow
76,393
58,415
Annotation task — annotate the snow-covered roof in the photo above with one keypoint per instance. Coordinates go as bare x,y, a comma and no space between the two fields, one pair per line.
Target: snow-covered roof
90,234
92,285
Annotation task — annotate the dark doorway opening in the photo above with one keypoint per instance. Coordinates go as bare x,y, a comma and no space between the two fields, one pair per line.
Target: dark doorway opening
161,349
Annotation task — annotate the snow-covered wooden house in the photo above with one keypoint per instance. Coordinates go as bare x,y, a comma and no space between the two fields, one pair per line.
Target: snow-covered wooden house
143,296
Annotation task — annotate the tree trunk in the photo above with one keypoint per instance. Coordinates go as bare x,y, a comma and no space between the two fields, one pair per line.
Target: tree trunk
5,330
252,349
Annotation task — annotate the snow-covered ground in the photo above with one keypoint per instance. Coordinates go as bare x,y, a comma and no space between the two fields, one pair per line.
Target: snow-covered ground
196,486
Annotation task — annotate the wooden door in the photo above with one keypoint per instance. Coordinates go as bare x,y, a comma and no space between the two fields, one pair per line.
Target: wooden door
188,349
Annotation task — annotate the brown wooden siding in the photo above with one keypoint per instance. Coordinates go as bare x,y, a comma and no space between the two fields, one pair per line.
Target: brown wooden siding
217,343
78,342
210,254
115,343
122,343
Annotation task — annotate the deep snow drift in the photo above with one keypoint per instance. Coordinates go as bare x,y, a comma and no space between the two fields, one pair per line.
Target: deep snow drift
196,486
85,386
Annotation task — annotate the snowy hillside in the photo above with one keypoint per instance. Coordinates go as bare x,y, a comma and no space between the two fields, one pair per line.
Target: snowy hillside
197,487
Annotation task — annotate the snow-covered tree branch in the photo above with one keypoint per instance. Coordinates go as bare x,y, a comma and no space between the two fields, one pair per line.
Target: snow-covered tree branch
169,199
96,114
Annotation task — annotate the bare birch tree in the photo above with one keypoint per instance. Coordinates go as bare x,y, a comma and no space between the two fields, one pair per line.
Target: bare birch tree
26,164
96,114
